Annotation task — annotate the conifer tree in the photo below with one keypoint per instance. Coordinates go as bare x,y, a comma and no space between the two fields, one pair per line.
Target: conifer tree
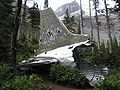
69,21
6,18
35,20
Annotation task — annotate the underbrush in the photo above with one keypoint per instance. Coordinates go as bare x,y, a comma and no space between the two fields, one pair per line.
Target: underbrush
10,81
26,49
32,82
67,75
6,74
112,82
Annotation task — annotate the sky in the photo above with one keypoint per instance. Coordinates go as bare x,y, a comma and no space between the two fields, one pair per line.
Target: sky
54,4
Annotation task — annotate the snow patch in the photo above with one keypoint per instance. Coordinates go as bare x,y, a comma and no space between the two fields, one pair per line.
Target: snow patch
64,54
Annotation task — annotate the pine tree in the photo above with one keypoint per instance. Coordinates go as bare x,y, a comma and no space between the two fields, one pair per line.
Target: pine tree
69,21
34,15
35,20
6,19
115,49
104,56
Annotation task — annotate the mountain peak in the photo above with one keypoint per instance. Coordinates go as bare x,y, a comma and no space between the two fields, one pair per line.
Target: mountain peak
72,7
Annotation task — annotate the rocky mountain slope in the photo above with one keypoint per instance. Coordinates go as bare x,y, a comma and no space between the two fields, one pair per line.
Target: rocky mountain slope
115,26
114,18
72,7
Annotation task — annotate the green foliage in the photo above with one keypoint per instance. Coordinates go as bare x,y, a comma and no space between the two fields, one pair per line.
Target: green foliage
34,15
6,74
65,74
111,83
9,81
85,53
102,56
6,19
115,56
25,48
26,82
43,87
69,21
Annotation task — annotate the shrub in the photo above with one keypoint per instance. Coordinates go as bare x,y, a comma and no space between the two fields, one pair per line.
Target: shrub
10,82
111,83
27,83
65,74
5,74
26,49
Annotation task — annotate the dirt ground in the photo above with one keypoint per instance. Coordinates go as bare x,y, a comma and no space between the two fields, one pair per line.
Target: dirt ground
55,86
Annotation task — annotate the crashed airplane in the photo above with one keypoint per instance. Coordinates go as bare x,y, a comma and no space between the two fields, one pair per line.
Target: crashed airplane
57,45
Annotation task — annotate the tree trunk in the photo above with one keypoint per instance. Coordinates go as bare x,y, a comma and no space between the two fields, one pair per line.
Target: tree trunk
81,16
109,27
98,29
91,21
24,12
79,30
91,24
14,33
22,21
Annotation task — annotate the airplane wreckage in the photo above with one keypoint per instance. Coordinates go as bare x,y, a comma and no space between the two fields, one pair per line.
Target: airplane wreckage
57,45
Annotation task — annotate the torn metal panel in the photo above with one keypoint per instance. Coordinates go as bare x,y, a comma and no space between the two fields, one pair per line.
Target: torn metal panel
54,34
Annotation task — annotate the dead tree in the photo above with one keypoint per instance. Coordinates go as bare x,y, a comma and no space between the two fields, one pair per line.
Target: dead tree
91,20
109,27
22,21
96,3
79,30
91,24
15,33
81,16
